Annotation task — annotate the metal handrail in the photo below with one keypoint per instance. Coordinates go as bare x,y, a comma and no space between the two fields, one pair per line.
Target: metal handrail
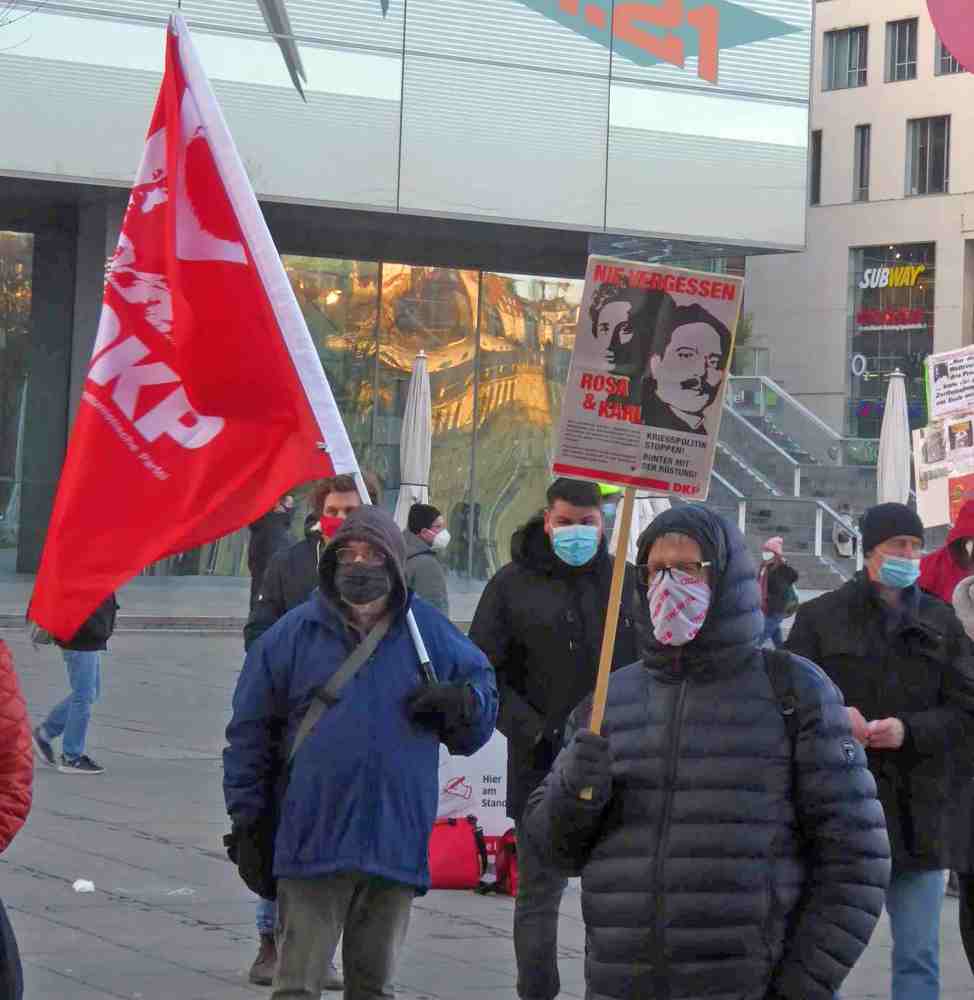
781,451
821,509
730,487
814,418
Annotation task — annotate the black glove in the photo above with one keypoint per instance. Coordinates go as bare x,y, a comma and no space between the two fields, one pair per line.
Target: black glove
441,707
251,849
586,763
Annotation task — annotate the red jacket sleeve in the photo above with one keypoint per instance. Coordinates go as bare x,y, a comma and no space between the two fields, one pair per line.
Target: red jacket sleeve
16,754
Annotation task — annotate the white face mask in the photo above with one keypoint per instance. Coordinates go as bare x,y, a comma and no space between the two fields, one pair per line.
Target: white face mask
441,541
678,605
767,556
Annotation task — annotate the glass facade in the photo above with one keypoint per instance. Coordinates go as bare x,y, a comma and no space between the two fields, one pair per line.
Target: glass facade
891,325
498,349
16,251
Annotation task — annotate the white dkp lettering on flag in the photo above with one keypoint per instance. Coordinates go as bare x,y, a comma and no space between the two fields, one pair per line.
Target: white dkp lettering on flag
169,416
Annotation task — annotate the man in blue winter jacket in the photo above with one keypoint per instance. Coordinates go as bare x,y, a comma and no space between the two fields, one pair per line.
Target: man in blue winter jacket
351,846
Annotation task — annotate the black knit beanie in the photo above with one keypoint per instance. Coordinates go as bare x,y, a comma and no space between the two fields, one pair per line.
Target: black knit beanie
887,520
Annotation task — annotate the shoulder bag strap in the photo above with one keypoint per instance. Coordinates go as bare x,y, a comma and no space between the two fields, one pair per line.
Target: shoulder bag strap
778,666
328,694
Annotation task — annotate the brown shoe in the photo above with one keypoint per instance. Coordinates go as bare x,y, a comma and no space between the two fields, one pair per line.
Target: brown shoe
262,971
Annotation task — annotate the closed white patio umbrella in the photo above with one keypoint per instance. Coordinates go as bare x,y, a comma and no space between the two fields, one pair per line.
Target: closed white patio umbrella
415,442
893,467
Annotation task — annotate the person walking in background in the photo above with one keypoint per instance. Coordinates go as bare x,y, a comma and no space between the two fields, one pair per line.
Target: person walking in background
730,848
70,718
540,622
962,832
777,579
426,538
268,536
942,569
350,851
290,579
842,538
16,780
904,664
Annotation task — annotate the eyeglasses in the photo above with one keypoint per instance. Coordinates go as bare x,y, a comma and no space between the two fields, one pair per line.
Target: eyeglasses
345,557
649,574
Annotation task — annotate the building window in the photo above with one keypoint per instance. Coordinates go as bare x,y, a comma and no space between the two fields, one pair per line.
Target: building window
944,63
901,50
815,181
928,155
860,169
844,64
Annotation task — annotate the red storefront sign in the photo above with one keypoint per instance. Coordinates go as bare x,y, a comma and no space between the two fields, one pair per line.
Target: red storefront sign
890,318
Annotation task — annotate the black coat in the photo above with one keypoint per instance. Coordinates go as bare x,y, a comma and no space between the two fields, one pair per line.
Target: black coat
97,629
540,623
725,861
780,579
289,580
268,536
922,673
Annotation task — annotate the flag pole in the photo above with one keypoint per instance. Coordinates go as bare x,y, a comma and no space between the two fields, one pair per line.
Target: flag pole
611,621
425,663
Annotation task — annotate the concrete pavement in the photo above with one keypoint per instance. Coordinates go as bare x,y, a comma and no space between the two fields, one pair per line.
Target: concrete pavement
169,919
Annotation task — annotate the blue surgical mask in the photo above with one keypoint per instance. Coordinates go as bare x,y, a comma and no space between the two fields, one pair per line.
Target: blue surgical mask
575,544
899,572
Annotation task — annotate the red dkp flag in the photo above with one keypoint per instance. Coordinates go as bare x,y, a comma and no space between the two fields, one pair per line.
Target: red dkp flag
205,399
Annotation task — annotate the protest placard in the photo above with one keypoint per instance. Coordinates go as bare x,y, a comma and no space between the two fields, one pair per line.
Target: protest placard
950,382
646,386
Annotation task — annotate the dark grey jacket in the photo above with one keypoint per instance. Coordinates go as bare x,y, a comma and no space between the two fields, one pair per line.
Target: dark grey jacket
916,667
726,863
425,574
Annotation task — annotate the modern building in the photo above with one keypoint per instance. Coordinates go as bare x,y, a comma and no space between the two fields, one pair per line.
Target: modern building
888,276
439,190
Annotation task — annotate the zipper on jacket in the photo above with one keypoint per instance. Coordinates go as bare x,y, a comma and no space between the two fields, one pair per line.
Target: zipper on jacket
660,977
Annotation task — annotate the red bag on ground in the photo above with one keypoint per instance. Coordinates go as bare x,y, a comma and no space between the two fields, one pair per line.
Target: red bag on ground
506,864
457,853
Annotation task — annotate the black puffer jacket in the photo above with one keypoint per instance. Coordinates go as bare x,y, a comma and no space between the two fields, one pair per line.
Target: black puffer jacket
289,580
726,863
918,669
540,623
269,535
97,629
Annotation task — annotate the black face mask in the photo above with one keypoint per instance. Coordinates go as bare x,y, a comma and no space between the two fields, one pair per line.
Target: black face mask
359,584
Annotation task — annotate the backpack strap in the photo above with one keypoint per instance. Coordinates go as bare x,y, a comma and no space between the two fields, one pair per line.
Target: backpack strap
329,693
778,667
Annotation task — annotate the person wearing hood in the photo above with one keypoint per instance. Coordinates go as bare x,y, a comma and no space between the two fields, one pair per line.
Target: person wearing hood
904,664
361,797
289,580
962,829
733,843
777,580
943,569
426,536
268,536
540,622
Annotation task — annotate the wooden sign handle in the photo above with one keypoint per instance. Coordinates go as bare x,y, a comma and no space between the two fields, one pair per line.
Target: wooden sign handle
611,619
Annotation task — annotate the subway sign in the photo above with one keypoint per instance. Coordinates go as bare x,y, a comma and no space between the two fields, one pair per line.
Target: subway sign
892,277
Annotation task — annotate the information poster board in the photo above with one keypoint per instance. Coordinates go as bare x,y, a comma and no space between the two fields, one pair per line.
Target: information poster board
649,370
476,786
